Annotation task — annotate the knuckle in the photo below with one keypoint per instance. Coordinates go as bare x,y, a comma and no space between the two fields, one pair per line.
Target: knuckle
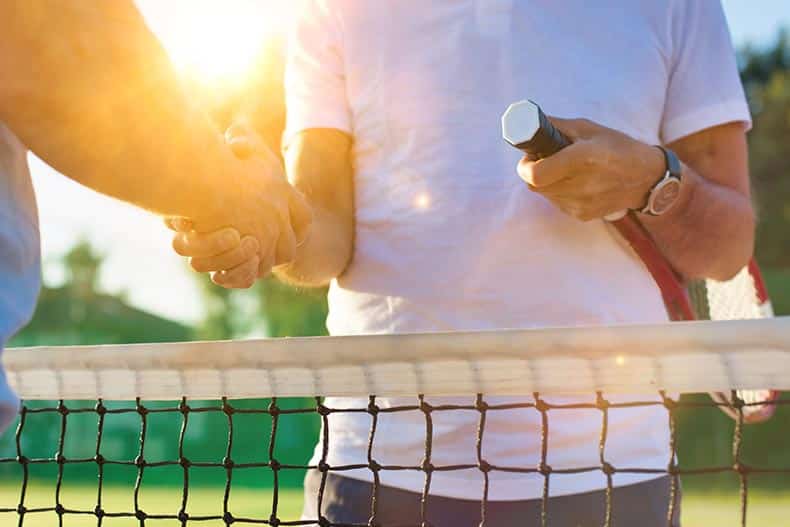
525,170
573,210
587,159
197,265
224,240
249,249
178,245
247,280
589,213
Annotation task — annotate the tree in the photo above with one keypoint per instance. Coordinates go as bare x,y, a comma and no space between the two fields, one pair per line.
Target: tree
770,168
766,76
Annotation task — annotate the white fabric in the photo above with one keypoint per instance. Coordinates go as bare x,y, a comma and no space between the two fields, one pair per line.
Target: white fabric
449,238
20,261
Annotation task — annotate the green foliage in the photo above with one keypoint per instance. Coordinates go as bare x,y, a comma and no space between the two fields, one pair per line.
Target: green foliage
766,75
293,312
271,308
76,313
770,167
759,65
705,439
222,320
206,435
777,281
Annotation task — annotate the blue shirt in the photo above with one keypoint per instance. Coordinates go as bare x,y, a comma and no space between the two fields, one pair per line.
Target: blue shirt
20,254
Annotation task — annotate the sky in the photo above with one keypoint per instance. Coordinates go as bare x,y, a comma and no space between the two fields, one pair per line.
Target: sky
139,261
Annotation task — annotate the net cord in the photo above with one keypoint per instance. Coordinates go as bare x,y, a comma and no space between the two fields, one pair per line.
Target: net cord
679,357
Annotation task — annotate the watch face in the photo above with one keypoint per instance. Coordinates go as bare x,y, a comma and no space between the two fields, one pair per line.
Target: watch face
664,196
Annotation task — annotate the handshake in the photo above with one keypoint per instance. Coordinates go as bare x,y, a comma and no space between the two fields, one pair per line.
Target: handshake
256,222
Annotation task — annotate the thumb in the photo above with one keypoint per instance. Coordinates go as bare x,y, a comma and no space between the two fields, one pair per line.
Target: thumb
245,143
242,140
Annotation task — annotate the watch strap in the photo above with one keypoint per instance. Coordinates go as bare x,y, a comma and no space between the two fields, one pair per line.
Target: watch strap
672,162
673,170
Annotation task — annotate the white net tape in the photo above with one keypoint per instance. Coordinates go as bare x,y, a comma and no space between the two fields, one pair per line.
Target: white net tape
677,357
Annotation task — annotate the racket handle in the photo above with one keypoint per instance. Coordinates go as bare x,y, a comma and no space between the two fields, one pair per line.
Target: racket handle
526,127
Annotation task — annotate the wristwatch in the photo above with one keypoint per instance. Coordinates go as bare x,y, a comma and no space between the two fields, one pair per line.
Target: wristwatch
665,193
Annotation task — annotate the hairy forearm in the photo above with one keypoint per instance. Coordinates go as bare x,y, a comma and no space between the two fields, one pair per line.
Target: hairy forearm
324,255
709,233
88,88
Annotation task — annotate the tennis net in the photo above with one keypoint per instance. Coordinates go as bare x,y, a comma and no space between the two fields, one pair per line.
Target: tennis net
254,399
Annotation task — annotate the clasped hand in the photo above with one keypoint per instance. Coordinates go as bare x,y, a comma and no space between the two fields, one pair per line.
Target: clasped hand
261,223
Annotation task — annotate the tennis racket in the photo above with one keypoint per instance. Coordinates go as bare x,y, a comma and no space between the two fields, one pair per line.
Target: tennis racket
526,127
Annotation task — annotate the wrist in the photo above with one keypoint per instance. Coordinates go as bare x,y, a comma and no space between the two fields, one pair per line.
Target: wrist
653,168
218,191
665,192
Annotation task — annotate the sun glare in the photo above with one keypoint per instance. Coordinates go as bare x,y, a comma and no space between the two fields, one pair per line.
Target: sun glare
218,41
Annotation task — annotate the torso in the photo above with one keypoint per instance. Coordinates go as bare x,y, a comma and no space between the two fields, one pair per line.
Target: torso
449,238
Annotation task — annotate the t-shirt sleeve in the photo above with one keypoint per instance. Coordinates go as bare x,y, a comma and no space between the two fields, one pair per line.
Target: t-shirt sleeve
704,86
315,82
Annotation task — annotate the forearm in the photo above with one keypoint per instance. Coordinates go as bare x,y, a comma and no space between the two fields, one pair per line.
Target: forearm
88,88
318,165
709,233
324,255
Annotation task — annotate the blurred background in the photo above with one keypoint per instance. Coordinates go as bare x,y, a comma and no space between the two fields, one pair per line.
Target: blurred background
111,277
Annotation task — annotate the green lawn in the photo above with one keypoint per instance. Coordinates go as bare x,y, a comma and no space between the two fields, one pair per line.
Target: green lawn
699,509
244,502
765,509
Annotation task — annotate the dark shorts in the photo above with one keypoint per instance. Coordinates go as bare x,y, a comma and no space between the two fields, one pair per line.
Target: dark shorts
347,501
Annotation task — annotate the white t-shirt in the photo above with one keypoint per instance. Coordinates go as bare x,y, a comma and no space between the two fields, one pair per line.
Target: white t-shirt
20,256
449,238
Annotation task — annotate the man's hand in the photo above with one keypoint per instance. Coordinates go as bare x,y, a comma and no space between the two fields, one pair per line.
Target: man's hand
709,231
603,172
271,216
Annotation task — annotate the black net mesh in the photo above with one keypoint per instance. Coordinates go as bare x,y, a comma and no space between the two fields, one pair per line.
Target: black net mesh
251,435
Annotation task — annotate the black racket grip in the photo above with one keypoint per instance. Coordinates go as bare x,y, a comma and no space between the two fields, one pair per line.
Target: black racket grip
527,128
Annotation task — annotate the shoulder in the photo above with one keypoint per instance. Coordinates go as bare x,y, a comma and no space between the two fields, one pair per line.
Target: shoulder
692,16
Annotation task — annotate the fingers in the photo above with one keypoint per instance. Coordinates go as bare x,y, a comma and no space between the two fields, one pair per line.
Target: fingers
575,129
177,224
240,277
301,217
204,245
247,249
265,265
577,159
545,172
294,221
286,246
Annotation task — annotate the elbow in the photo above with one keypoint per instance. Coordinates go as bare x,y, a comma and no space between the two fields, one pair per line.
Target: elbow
741,250
736,251
727,271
